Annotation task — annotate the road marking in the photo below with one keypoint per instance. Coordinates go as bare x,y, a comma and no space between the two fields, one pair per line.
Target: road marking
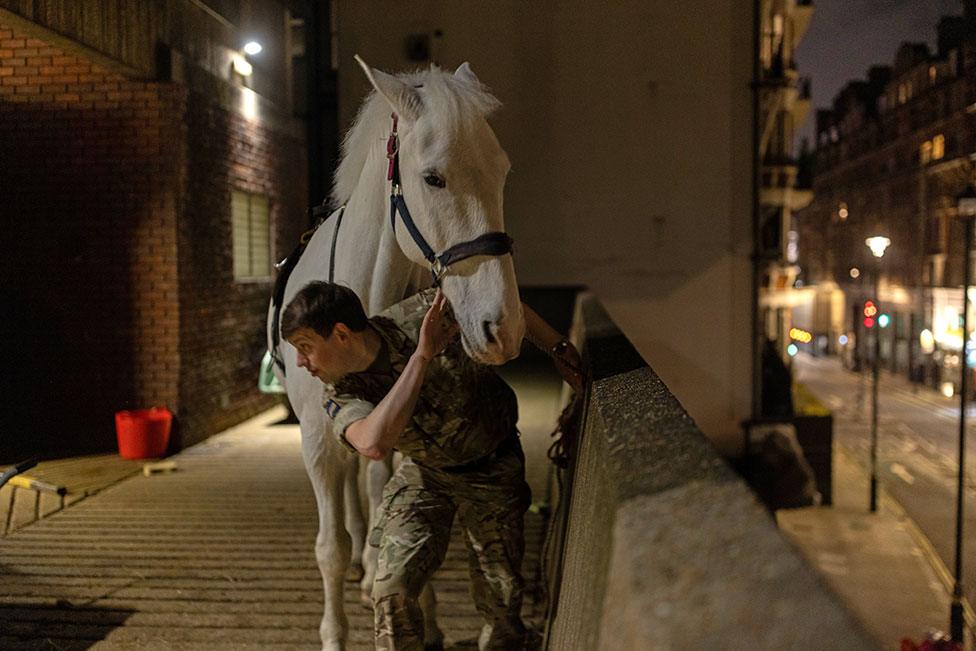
902,473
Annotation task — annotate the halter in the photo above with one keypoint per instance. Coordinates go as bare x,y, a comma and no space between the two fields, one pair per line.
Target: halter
494,243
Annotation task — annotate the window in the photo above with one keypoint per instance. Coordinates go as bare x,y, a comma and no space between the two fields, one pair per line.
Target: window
925,152
251,235
938,147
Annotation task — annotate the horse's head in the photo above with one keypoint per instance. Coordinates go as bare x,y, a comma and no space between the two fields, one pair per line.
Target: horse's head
452,173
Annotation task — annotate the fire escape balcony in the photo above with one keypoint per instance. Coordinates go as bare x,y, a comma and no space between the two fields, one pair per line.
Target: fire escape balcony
779,184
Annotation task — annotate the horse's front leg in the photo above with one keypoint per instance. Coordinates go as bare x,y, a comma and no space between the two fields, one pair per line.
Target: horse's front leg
355,521
326,467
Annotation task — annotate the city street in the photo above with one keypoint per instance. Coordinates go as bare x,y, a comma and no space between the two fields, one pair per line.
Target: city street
918,436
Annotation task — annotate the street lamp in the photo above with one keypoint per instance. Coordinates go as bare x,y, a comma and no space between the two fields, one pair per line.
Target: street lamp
966,210
877,244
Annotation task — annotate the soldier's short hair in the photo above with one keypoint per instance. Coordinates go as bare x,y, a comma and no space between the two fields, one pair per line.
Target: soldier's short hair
319,306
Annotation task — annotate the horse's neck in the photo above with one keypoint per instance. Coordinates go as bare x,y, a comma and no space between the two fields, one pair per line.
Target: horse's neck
368,259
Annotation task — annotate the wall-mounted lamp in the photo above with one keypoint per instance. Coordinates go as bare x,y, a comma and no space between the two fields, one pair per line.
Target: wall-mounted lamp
253,47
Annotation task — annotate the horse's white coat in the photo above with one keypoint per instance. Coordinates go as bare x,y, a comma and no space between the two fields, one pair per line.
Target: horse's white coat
443,131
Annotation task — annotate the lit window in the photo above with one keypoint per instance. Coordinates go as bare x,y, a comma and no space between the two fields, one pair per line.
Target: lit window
938,147
902,94
251,235
933,74
925,152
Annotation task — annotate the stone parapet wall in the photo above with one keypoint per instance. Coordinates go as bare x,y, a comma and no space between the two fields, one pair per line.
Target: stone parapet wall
664,546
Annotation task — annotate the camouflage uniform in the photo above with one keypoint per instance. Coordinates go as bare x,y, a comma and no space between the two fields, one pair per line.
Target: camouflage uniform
461,454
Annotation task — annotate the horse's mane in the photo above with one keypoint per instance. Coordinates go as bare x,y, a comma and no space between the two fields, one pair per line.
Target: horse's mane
453,99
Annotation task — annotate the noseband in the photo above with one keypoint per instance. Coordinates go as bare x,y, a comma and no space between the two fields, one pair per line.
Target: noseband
494,243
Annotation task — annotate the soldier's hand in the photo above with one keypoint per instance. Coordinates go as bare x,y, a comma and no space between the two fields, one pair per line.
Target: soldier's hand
438,328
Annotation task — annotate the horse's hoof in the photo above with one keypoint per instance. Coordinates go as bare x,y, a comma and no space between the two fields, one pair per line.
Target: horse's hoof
355,573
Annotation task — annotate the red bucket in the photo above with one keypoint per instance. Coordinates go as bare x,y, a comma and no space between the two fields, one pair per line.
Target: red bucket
143,433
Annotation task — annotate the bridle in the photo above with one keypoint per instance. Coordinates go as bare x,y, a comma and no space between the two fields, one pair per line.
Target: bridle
494,243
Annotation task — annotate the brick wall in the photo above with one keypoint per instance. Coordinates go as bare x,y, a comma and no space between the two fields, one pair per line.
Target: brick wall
90,240
222,322
117,279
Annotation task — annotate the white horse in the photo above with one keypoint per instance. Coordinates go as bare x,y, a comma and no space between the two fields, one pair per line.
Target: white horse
453,173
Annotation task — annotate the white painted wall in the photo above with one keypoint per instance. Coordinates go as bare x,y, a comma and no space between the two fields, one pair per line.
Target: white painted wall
628,124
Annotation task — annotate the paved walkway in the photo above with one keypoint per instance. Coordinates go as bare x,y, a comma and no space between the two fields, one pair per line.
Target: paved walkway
216,555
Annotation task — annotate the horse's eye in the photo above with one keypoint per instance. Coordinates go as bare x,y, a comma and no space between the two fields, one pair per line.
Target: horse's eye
434,180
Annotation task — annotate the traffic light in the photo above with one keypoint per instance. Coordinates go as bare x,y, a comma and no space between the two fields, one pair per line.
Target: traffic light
870,309
884,320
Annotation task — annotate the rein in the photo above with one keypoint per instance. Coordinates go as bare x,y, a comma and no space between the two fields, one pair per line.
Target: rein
493,243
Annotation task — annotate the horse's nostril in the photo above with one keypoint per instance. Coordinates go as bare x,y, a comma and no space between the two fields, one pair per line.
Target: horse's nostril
489,335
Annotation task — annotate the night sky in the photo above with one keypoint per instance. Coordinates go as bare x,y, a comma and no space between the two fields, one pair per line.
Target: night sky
846,37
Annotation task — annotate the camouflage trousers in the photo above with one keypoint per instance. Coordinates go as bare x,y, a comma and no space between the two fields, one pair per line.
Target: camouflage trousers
413,533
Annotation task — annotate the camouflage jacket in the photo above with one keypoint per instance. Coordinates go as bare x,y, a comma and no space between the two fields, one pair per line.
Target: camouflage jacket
464,409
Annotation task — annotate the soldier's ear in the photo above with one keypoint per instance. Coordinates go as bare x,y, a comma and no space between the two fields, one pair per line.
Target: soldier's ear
341,331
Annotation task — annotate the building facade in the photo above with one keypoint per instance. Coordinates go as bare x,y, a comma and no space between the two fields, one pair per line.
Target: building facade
152,171
784,106
891,156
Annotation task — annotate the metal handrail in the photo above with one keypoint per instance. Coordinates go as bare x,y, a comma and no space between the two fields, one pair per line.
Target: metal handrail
15,477
17,469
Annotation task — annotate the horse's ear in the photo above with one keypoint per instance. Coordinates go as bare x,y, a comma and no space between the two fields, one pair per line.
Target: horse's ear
465,73
403,98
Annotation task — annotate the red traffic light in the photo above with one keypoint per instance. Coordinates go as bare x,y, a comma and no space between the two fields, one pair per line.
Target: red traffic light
870,309
868,322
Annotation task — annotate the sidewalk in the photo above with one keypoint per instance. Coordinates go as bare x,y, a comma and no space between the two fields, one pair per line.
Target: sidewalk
879,564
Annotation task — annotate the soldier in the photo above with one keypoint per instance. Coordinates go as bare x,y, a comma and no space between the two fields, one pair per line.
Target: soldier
402,381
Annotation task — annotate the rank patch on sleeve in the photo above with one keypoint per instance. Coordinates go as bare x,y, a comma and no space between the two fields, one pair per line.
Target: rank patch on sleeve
332,408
